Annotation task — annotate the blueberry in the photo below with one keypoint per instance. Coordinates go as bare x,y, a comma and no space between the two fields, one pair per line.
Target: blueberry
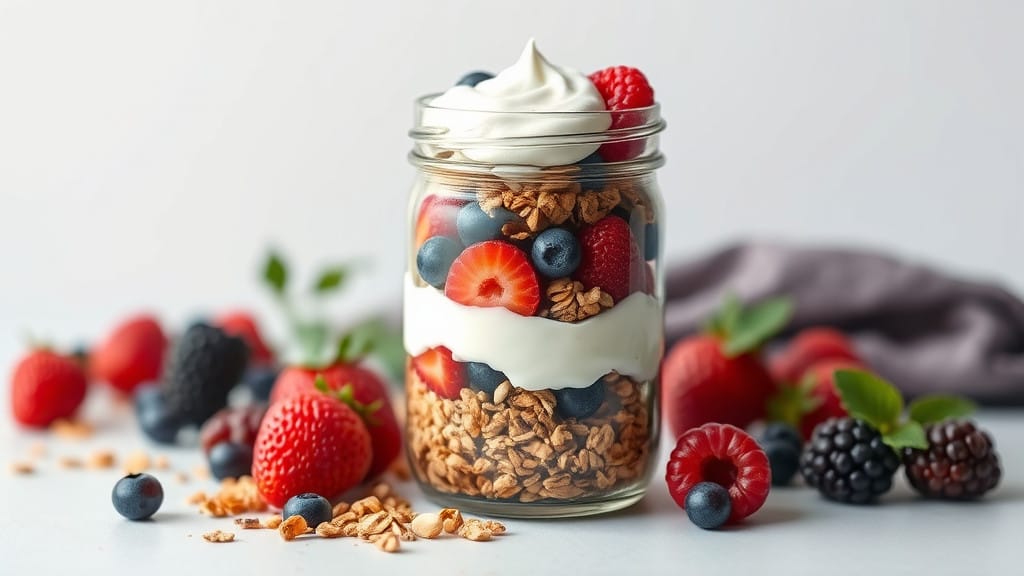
651,241
784,460
230,460
483,377
708,505
784,432
313,507
147,396
592,177
260,381
594,158
137,496
435,257
475,225
579,402
474,78
156,420
556,253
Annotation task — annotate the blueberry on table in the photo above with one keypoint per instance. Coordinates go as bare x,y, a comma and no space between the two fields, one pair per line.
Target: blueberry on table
474,78
783,459
475,225
708,505
137,496
483,377
434,259
147,396
156,420
260,381
784,432
314,508
230,460
579,402
556,253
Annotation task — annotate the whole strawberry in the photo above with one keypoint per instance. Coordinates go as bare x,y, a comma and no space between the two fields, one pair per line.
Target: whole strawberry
611,258
45,387
809,347
623,88
367,389
812,400
310,443
132,354
718,376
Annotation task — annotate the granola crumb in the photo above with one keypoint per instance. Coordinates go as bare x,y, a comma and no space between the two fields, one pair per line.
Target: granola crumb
388,542
201,472
339,509
22,468
273,522
69,462
219,536
293,527
101,459
37,451
451,519
71,429
475,530
248,523
427,525
181,478
196,498
135,463
161,463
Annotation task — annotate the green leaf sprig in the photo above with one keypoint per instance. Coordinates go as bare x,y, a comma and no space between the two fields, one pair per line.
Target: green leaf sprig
745,329
877,402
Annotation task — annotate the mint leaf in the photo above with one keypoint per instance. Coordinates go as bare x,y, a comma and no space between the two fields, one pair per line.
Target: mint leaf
938,407
275,273
330,279
388,348
909,434
870,398
753,326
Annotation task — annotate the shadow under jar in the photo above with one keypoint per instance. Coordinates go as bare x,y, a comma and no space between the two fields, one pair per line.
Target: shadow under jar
533,316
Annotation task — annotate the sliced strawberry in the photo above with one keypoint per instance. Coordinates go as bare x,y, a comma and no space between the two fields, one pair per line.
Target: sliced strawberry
492,274
437,218
440,372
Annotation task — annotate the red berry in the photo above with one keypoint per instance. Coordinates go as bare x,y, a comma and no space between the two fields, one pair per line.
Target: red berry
440,372
492,274
725,455
623,88
808,347
243,325
132,354
238,425
45,387
367,388
611,258
700,384
309,443
821,377
437,217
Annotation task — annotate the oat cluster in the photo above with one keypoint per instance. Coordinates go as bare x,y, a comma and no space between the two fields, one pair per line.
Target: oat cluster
569,301
515,447
233,498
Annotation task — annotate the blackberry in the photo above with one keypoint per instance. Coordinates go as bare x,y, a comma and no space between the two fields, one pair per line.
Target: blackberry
203,367
847,461
960,462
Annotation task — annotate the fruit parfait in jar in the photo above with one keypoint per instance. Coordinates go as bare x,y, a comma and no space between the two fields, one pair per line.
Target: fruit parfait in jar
533,314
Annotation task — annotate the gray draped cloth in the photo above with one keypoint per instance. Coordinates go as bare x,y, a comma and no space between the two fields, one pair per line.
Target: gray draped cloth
920,328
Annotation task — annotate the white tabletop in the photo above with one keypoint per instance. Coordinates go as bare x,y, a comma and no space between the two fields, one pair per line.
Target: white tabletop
62,521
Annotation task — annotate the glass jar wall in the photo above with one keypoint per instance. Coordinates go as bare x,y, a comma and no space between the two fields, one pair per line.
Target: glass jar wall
533,319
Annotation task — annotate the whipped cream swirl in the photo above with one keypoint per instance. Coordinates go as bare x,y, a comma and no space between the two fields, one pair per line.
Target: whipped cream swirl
494,109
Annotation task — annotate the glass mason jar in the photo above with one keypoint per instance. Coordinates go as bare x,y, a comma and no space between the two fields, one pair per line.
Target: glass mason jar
533,315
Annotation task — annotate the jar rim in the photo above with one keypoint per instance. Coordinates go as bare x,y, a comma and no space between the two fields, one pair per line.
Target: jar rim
651,115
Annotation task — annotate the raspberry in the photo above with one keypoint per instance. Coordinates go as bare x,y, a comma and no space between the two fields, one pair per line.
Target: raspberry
725,455
623,88
960,462
611,258
847,461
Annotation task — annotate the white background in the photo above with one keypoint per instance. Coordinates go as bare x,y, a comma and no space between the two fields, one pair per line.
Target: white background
149,151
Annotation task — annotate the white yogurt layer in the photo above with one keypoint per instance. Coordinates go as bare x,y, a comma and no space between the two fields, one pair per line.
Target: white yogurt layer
538,353
532,84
